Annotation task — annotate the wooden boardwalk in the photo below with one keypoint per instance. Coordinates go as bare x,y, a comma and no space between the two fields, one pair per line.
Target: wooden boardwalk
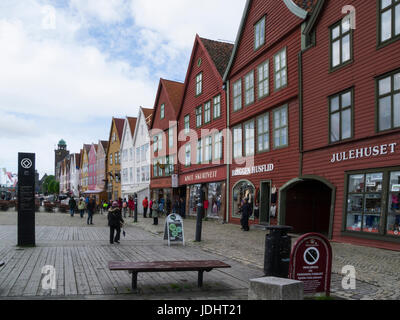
80,256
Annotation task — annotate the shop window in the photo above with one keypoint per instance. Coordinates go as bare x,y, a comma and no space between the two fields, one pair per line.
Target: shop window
389,20
242,190
393,217
194,198
389,102
215,200
340,115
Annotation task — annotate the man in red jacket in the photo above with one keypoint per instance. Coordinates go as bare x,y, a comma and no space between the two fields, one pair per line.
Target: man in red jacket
145,204
131,206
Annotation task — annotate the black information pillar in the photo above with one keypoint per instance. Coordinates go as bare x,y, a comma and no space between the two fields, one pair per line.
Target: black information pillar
26,199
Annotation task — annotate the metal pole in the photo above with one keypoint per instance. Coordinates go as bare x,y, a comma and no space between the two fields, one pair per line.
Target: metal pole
136,208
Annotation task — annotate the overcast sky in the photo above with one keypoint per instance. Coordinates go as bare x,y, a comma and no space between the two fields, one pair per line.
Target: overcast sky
68,66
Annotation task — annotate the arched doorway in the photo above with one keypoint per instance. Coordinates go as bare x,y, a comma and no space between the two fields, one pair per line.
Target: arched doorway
307,205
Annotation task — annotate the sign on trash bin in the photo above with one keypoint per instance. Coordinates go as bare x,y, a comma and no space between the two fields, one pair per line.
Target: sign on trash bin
311,263
173,231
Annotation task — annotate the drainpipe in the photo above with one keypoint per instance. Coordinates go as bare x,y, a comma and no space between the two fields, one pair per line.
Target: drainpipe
227,151
300,70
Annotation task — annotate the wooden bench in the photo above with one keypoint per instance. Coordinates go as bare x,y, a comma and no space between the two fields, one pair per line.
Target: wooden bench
166,266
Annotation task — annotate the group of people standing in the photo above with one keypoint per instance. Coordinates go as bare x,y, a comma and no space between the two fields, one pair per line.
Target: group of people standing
88,204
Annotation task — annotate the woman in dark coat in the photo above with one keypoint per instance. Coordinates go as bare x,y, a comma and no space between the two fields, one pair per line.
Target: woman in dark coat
246,213
114,222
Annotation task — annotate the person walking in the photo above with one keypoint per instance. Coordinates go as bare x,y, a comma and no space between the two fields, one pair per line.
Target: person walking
156,210
72,205
168,206
125,207
182,208
145,204
91,207
114,222
81,207
246,213
160,206
131,205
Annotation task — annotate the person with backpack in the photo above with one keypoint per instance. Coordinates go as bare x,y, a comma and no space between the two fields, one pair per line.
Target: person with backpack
114,222
81,207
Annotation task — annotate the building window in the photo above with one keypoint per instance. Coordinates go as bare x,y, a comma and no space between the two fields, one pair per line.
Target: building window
171,137
389,102
218,145
187,155
207,112
143,174
249,88
263,80
130,154
155,143
131,175
162,111
169,165
341,43
237,142
263,133
249,138
280,70
111,158
208,149
199,151
137,155
340,115
199,116
187,124
389,15
155,168
199,83
259,33
217,106
137,175
237,95
281,127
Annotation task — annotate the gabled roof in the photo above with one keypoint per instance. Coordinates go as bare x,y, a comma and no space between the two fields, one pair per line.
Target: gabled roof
105,145
119,123
300,8
132,125
87,147
220,53
77,158
148,114
174,92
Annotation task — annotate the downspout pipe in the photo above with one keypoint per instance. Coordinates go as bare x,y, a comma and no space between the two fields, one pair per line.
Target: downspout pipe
227,150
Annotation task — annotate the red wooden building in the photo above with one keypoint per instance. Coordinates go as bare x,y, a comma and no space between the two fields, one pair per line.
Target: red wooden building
349,180
163,135
263,112
202,124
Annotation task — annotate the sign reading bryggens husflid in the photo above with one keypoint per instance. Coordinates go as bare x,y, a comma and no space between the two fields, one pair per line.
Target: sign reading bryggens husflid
173,231
311,263
26,199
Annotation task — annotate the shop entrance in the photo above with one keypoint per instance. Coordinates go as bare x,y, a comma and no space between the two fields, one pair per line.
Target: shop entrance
264,202
306,206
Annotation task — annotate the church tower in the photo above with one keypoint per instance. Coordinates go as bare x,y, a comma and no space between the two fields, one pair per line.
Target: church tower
60,155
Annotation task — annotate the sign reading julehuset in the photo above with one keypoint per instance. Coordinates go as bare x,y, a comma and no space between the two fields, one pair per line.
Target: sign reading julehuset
173,231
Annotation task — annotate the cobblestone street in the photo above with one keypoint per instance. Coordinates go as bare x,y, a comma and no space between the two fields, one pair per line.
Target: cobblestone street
85,249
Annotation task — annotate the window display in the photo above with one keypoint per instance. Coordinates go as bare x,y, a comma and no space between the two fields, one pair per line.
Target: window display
364,202
194,198
393,219
241,191
214,200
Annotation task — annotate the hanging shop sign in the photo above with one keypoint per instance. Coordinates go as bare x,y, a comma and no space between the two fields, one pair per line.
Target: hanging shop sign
174,181
252,170
367,152
173,231
311,263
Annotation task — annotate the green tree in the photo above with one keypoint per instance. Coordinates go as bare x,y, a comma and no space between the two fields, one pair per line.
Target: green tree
46,184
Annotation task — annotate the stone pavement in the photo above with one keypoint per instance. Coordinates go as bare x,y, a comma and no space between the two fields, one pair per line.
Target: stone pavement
80,255
377,270
70,243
